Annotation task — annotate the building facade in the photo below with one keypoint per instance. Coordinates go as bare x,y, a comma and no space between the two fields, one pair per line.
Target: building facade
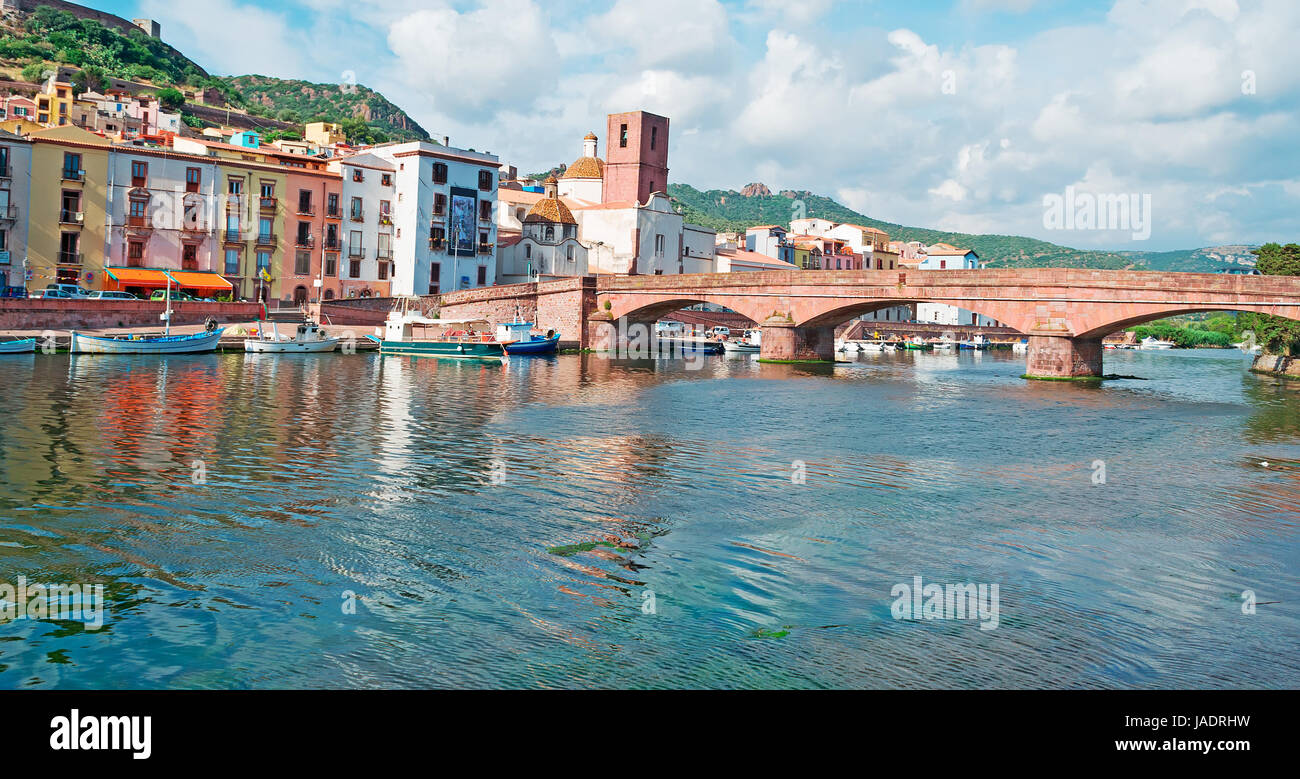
15,200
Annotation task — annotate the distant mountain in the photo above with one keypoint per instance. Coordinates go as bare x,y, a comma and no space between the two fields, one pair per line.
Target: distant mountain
304,101
732,211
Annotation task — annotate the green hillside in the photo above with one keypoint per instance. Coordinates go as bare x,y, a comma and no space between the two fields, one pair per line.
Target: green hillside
729,210
355,106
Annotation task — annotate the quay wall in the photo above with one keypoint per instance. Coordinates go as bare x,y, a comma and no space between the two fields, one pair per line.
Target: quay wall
1276,364
39,314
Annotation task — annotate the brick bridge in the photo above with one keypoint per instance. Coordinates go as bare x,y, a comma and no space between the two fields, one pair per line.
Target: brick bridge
1064,312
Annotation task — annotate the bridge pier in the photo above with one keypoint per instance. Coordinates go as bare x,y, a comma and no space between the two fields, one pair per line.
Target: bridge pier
784,342
1063,357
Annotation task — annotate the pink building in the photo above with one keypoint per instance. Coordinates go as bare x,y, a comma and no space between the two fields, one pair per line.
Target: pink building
636,157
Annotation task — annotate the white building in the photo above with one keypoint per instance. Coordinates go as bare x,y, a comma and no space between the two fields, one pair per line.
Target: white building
548,245
942,256
446,217
15,194
368,193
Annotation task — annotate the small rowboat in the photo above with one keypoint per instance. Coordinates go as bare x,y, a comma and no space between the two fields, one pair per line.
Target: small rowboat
24,346
168,344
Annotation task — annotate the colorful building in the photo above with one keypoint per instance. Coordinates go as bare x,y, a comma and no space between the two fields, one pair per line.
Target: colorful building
15,199
68,212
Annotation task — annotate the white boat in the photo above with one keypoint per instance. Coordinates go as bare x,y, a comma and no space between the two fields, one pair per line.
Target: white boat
309,339
749,343
873,346
888,347
23,346
1020,347
167,344
1151,342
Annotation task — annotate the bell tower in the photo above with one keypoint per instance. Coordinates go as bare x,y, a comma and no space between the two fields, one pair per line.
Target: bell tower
636,156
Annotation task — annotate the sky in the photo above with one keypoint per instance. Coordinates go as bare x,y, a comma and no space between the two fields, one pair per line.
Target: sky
968,115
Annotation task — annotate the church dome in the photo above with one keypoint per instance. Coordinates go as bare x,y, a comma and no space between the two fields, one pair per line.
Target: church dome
585,168
550,209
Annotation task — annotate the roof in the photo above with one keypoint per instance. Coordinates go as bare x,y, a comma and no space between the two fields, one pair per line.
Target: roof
754,258
585,168
550,209
589,137
764,227
944,250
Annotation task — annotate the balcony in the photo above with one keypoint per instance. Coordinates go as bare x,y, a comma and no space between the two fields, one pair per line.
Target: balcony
8,213
266,203
266,239
306,209
6,172
357,252
72,217
358,216
233,236
437,244
194,226
73,175
485,248
383,254
139,223
70,258
332,245
304,241
333,213
386,219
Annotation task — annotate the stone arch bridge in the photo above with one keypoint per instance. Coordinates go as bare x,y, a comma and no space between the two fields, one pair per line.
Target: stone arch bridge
1064,312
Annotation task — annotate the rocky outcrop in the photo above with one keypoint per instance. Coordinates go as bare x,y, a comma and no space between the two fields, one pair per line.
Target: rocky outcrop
1276,364
756,189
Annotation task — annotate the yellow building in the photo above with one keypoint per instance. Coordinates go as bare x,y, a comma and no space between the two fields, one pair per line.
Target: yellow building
68,216
323,133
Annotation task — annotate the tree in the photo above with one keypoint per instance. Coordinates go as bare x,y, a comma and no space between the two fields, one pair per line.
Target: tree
36,71
1275,334
170,98
89,79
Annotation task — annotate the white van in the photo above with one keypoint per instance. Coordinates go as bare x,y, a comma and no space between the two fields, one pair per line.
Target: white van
107,295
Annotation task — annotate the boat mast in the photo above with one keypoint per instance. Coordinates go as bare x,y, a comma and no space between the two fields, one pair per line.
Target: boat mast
167,307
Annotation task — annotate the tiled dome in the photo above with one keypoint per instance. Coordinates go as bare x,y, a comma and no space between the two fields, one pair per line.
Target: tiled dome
586,168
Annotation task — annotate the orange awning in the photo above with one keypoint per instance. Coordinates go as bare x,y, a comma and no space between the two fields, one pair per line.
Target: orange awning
199,280
138,277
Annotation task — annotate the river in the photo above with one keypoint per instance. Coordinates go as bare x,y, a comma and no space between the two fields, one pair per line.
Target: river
364,521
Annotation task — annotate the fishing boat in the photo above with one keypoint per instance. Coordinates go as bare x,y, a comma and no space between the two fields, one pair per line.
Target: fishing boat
22,346
749,343
1151,342
519,337
407,331
873,346
978,343
166,344
310,339
915,344
702,345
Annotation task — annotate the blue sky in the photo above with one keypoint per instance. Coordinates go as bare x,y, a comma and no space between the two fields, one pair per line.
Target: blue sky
953,114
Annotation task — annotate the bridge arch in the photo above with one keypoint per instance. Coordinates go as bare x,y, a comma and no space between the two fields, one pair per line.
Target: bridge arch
1156,312
650,308
840,311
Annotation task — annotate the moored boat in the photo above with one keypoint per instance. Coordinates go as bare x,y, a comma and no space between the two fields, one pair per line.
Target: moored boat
407,331
167,344
1151,342
519,338
1020,347
979,342
309,339
21,346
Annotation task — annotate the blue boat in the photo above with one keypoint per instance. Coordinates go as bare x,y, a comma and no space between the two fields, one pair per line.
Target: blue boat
23,346
517,337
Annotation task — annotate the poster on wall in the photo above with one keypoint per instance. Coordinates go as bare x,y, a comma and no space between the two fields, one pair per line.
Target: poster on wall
462,229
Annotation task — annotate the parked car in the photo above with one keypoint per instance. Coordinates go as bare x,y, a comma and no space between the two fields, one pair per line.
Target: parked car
160,295
13,292
72,290
669,327
108,295
718,331
51,293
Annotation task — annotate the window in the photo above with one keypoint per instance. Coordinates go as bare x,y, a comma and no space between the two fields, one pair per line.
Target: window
232,262
485,180
331,236
482,275
439,204
4,160
528,251
355,249
135,254
385,248
482,241
622,136
659,245
190,257
385,212
70,207
304,201
4,246
264,261
440,173
485,210
435,278
386,179
354,269
302,263
654,136
569,252
264,230
71,165
268,190
943,264
357,214
235,186
436,237
357,175
332,204
331,264
139,173
192,178
383,271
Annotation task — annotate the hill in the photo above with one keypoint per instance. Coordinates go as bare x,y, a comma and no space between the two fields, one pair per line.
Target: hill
99,47
732,211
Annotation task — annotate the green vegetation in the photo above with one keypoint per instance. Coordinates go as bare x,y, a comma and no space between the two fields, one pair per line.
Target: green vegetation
1185,336
1274,334
297,102
49,36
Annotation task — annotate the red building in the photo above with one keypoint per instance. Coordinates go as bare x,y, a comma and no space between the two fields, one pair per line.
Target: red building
636,157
